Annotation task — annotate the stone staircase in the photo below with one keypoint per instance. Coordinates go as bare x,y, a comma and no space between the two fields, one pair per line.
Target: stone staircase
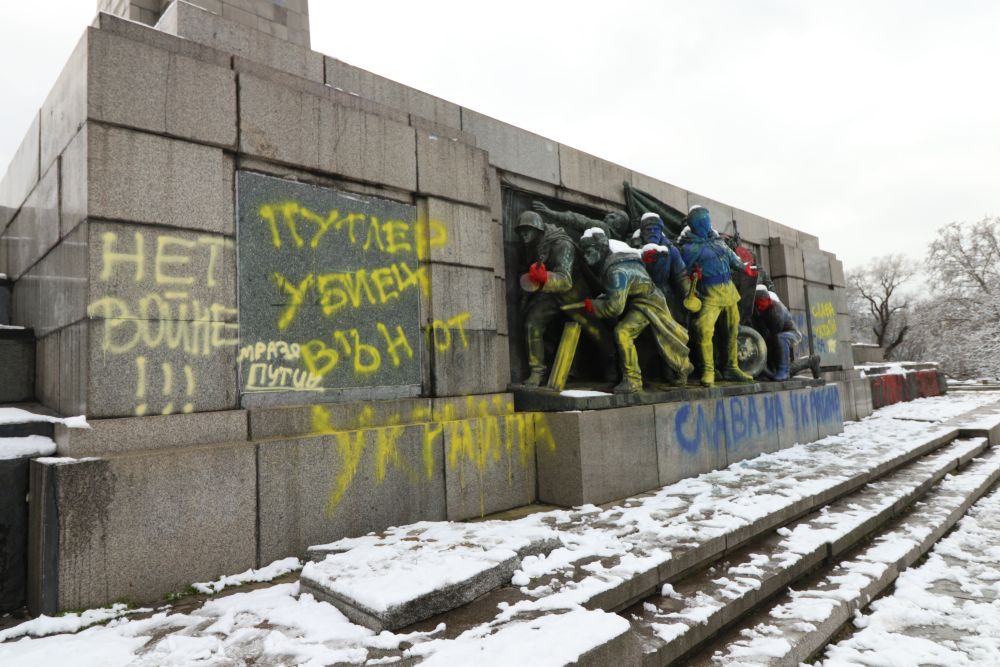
772,589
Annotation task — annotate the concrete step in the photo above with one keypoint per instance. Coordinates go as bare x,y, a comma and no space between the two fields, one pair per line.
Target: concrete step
17,359
691,611
798,624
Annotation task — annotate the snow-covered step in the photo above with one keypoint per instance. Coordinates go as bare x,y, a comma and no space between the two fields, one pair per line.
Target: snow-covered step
688,613
941,612
798,624
392,584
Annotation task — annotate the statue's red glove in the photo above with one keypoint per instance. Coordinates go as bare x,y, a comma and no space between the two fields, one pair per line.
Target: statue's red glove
538,274
696,272
649,256
588,305
750,270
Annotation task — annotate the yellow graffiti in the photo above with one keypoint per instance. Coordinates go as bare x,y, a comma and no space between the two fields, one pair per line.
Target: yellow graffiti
167,374
170,321
479,440
825,321
164,258
824,309
270,351
365,231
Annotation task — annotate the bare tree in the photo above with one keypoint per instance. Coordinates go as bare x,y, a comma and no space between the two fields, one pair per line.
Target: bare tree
875,292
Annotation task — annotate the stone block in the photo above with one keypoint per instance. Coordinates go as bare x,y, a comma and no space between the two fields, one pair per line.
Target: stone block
807,241
792,292
153,273
665,192
464,296
35,229
47,371
473,365
64,111
151,179
513,149
786,260
53,293
592,175
753,228
504,377
489,464
784,233
320,489
195,24
452,169
472,406
21,175
598,456
304,420
306,130
501,305
722,214
118,436
14,528
837,272
73,193
17,358
73,370
691,438
799,418
108,23
152,524
351,79
149,377
826,405
472,238
817,267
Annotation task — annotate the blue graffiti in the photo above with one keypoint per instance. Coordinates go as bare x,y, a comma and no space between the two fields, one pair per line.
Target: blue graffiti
774,413
713,431
743,419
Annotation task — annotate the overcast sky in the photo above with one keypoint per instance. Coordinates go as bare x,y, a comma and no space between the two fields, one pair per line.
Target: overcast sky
868,123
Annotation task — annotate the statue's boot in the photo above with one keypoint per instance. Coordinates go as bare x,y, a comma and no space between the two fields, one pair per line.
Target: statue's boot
736,374
811,362
627,386
535,379
784,357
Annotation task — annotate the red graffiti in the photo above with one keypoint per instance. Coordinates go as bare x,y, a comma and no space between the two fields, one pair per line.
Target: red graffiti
928,384
887,389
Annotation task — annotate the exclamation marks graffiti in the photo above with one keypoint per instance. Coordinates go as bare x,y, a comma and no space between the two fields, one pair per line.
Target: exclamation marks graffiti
141,404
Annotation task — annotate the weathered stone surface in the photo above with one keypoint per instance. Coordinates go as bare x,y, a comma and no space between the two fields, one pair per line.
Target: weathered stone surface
489,464
691,438
513,149
451,169
351,79
472,406
665,192
784,233
800,418
598,456
150,179
463,295
53,293
792,292
319,489
591,175
21,175
73,195
35,228
152,524
109,23
807,241
471,236
501,305
194,23
303,129
753,228
786,260
817,267
837,272
14,528
65,109
115,436
17,359
470,366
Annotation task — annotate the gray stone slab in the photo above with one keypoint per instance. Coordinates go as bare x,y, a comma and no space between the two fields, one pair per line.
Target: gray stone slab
150,179
592,175
351,79
114,436
824,324
817,267
752,227
21,175
792,292
14,527
306,130
783,233
807,241
451,169
333,279
804,415
302,420
17,359
691,438
598,456
464,296
320,489
125,380
837,272
501,304
472,406
53,293
110,23
489,464
473,362
721,214
150,273
513,149
195,24
73,194
152,523
786,260
35,228
464,235
64,111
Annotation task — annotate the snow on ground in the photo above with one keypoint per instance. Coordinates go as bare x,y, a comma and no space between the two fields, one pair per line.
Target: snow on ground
29,445
278,625
944,612
268,573
19,416
938,408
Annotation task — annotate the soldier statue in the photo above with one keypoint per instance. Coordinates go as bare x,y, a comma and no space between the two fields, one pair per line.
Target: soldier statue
773,321
615,224
553,282
630,295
